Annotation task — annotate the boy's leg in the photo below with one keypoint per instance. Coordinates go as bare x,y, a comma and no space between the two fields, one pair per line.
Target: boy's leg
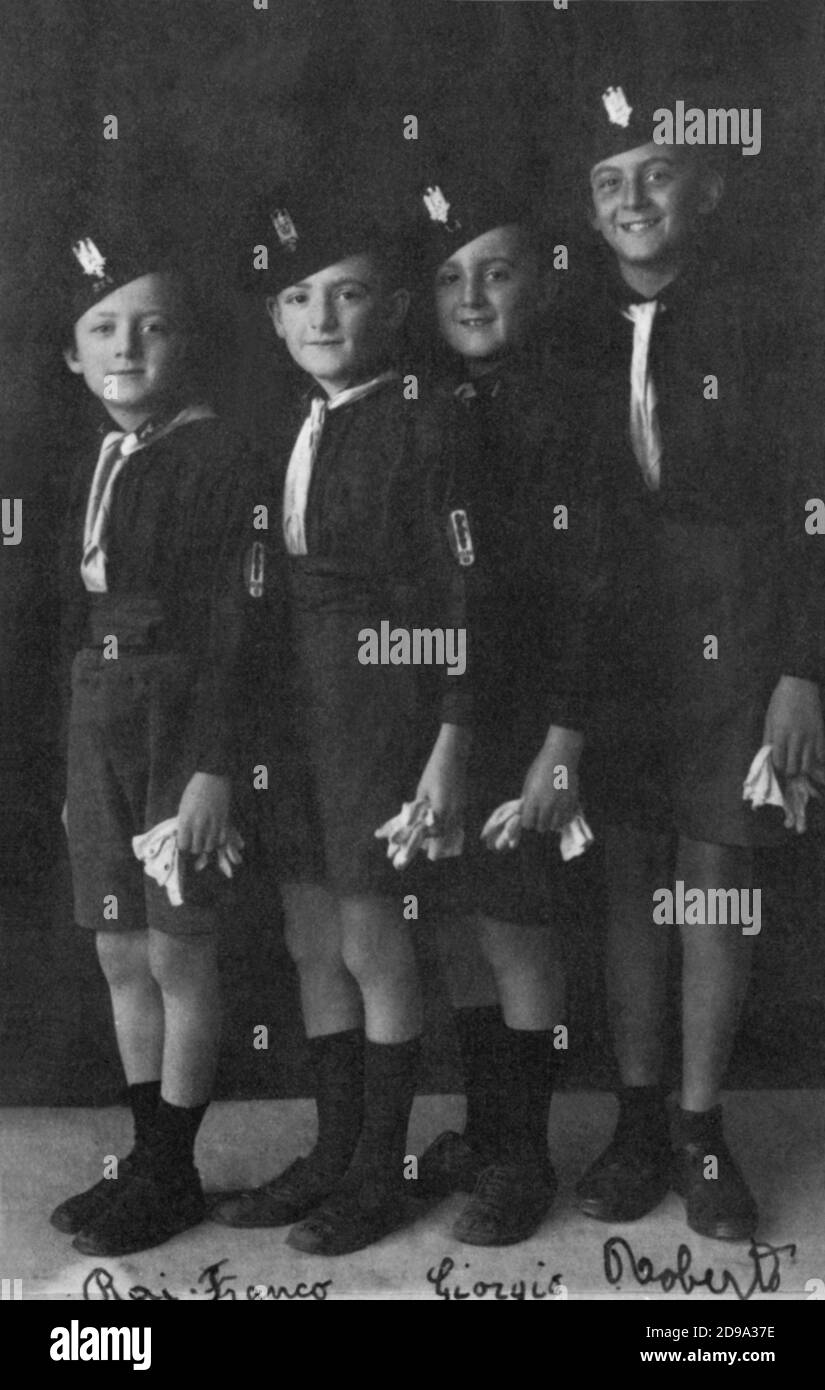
186,970
453,1161
633,1174
332,1012
137,1004
137,1007
715,972
369,1202
636,863
165,1197
330,998
469,980
511,1066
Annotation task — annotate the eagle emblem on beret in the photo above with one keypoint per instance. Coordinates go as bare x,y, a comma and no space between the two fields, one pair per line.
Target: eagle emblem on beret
285,228
436,204
91,261
616,105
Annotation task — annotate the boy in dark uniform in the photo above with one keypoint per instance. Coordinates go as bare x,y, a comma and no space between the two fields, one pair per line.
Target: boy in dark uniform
352,498
149,567
511,504
709,641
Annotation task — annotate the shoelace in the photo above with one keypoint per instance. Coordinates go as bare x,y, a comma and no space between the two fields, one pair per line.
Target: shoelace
493,1186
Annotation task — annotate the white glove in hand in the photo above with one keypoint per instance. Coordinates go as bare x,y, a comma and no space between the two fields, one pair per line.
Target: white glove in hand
416,825
158,851
763,788
503,831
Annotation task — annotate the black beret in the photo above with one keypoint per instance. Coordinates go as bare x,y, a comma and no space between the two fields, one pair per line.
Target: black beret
457,206
621,117
103,256
303,235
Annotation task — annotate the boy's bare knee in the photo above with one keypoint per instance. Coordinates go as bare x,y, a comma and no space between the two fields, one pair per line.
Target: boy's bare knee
123,957
178,961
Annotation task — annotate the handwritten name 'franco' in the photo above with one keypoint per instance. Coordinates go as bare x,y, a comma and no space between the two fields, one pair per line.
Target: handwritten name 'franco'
213,1284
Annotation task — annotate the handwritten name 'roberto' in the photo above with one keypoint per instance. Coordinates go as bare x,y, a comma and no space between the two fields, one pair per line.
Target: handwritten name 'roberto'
620,1261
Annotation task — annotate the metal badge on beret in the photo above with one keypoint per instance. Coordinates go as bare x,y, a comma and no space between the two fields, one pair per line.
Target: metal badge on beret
306,230
463,204
91,261
285,229
620,117
104,258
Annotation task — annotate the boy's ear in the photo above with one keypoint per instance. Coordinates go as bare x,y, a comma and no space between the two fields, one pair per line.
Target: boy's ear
273,311
398,303
713,186
71,359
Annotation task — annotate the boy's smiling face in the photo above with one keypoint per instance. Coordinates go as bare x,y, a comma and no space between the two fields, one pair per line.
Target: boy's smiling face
646,202
488,294
338,323
130,348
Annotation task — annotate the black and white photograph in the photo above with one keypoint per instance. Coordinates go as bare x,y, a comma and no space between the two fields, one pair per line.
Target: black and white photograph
412,649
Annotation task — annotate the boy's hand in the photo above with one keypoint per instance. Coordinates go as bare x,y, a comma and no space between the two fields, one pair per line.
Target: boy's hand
544,805
443,780
793,725
203,815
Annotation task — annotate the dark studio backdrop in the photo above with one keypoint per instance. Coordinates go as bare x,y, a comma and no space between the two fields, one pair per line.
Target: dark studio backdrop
216,101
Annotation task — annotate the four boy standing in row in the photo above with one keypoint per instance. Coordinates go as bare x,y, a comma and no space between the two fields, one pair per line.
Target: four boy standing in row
587,652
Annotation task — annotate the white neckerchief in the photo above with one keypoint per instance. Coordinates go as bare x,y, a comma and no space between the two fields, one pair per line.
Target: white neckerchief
116,449
644,426
304,454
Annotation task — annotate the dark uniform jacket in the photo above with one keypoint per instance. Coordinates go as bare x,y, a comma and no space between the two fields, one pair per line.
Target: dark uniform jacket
520,481
180,513
719,549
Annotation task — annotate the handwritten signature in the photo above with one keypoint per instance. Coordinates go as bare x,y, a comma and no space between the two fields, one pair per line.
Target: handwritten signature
519,1290
212,1283
764,1258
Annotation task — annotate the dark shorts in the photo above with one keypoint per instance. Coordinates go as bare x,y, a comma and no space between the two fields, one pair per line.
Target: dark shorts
672,739
527,886
360,738
641,769
127,769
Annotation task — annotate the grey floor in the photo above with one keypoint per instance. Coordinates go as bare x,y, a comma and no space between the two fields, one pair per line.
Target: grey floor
778,1136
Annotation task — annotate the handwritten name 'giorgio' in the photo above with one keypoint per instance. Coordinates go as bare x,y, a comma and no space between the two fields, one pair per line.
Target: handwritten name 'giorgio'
519,1290
213,1283
765,1261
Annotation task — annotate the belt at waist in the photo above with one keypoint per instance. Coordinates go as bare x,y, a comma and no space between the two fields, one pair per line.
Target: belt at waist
318,583
139,622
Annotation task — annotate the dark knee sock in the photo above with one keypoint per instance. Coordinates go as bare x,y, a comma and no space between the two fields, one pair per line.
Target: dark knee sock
390,1079
697,1126
338,1066
143,1099
526,1089
481,1040
643,1118
170,1151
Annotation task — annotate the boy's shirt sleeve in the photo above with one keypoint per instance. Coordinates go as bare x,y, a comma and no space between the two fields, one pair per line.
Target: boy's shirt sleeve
443,445
74,600
800,480
569,606
219,704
